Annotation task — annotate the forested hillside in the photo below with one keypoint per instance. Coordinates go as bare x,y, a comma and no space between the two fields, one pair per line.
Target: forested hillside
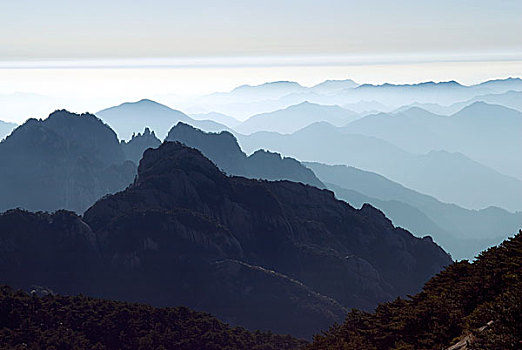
61,322
481,301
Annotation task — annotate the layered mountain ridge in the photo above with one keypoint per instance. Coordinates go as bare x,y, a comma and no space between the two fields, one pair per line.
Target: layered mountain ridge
267,255
223,149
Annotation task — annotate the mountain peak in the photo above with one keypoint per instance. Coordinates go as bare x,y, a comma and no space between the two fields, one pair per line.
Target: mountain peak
336,85
63,114
147,103
171,156
268,85
505,80
130,117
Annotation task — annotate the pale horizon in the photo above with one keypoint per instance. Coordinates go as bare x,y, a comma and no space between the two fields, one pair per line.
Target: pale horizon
91,85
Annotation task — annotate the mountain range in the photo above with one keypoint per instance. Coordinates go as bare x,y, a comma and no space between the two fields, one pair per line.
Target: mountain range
245,101
293,118
277,255
510,99
222,148
483,132
449,177
461,232
224,119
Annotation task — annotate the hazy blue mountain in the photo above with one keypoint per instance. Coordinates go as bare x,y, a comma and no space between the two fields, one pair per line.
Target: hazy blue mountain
443,93
131,117
398,95
134,148
489,134
267,91
67,161
224,119
296,117
450,177
246,100
366,107
222,148
6,128
498,86
333,86
433,108
511,99
460,231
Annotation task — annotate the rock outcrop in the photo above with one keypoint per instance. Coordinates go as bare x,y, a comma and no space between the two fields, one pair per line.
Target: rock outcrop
138,143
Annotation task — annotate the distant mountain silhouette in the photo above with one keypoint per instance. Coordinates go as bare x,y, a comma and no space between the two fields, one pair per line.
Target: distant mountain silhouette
489,134
225,152
444,93
270,90
450,177
461,232
246,100
293,118
224,119
6,129
266,255
333,86
135,147
131,117
511,99
498,86
67,161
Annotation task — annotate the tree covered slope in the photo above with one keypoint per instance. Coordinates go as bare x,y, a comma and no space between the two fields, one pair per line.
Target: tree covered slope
481,301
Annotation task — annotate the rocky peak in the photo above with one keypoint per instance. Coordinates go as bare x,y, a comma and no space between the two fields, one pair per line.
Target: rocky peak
135,147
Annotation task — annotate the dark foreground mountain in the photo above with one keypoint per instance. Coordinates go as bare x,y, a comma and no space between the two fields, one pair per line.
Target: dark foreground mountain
67,161
462,232
477,303
62,322
222,148
265,255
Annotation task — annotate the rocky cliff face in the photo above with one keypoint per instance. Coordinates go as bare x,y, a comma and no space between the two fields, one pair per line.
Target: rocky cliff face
223,149
267,255
67,161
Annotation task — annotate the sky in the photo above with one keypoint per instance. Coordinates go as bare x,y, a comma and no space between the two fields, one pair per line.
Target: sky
160,28
90,54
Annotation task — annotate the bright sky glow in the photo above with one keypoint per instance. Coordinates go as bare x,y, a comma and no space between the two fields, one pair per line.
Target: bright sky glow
93,54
